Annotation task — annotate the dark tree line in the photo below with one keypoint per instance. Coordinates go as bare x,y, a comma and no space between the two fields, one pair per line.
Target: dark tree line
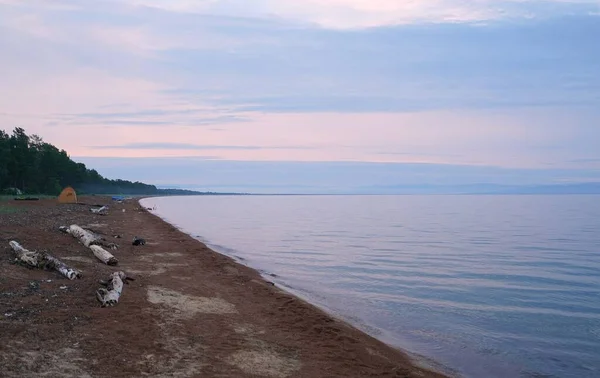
36,167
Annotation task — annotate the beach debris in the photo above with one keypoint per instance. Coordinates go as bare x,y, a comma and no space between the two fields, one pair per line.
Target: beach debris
100,211
63,287
93,242
103,255
43,260
87,237
138,241
110,294
61,267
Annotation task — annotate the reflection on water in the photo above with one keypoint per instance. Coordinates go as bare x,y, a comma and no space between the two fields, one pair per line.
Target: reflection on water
492,286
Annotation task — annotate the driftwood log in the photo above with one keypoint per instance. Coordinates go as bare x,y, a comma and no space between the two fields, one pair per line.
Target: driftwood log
103,255
100,210
109,296
26,256
87,237
93,242
43,261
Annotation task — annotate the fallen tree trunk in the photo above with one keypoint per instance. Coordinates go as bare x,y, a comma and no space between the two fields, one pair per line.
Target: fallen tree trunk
103,255
26,256
43,261
93,242
87,237
110,295
54,263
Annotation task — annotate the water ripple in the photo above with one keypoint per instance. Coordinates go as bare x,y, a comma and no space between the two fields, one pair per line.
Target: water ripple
491,286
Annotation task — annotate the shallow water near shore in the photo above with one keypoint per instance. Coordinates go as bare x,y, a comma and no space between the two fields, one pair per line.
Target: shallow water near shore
489,286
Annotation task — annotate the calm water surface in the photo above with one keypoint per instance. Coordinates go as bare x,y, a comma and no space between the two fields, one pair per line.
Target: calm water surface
489,286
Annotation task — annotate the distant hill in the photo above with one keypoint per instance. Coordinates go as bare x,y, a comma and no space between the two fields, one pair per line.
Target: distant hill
32,166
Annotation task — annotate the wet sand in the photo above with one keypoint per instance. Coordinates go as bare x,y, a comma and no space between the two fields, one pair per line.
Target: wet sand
190,312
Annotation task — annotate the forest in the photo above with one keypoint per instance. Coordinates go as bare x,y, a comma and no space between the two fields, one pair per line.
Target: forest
33,166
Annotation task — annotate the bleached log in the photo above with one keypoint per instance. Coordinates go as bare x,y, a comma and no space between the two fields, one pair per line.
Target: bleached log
87,237
103,255
93,242
43,261
100,211
110,295
31,258
54,263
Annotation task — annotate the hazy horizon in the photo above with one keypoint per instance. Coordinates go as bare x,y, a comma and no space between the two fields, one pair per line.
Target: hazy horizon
312,95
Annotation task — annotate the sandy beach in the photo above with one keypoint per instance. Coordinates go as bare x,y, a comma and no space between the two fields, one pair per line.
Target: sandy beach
190,312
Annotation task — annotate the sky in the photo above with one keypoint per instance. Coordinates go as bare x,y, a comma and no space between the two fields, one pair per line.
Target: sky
309,95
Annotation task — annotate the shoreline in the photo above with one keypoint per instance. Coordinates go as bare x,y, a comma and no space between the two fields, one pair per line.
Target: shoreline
416,359
419,360
191,311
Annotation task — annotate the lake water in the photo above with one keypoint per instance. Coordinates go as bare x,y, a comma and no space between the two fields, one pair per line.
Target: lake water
488,286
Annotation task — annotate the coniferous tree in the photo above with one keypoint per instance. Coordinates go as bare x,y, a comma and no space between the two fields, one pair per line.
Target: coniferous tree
34,166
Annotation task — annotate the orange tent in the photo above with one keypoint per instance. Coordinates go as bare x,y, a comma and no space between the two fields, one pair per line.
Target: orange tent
68,195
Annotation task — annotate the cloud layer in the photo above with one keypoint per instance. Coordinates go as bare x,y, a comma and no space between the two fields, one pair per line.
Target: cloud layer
344,14
512,84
